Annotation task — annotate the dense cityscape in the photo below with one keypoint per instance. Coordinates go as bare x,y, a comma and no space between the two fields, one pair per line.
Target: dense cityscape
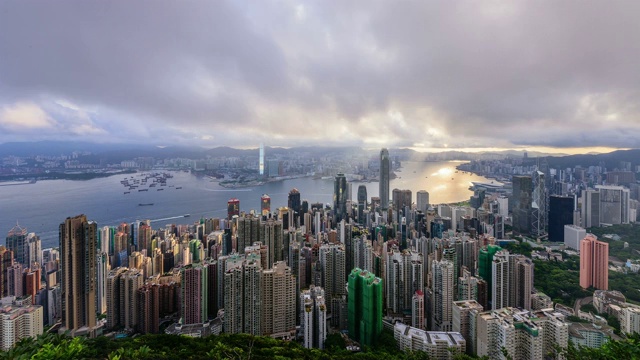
319,180
444,279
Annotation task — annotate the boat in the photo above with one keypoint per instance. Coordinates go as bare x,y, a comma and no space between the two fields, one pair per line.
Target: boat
127,192
187,215
159,189
179,187
145,204
143,190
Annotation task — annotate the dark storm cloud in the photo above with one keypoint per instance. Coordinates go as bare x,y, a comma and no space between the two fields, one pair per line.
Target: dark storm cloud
462,74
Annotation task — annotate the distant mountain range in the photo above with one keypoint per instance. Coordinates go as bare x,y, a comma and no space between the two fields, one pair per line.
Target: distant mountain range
610,160
111,153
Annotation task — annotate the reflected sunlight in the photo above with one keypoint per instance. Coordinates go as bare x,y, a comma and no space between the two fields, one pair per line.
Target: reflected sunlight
443,172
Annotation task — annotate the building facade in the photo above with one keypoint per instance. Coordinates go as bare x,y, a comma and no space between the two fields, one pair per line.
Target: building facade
594,263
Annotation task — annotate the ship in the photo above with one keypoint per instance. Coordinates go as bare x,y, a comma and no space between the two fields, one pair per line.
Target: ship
127,192
187,215
145,204
178,187
159,189
143,190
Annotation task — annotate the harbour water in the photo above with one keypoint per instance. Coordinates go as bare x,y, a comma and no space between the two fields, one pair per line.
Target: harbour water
42,206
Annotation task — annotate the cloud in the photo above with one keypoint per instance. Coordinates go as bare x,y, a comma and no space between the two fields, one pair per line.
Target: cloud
24,117
370,73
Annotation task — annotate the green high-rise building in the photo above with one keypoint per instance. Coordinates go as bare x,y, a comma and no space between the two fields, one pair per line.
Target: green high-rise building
485,258
364,306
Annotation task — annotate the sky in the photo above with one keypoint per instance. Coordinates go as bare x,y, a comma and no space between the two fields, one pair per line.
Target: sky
428,75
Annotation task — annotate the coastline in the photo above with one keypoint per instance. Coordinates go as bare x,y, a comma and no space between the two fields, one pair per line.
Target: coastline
62,176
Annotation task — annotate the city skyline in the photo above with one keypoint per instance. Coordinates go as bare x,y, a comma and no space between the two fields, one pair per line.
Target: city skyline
478,76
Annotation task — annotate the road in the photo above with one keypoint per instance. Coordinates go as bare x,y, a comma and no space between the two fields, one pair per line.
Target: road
583,301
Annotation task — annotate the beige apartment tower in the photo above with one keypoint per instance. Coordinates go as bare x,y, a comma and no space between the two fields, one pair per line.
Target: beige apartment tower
278,301
78,246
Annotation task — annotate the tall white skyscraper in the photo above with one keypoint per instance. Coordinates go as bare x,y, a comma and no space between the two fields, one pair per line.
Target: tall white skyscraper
442,301
500,275
261,165
101,290
313,317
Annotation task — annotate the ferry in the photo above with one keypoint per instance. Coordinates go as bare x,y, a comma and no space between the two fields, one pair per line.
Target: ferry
127,192
178,187
145,204
159,189
187,215
143,190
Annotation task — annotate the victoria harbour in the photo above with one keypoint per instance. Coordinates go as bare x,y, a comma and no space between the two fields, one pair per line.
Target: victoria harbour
103,199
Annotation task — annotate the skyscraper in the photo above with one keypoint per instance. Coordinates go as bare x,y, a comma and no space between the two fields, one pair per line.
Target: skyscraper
6,262
233,208
500,275
149,308
295,204
364,306
101,289
313,317
272,236
485,261
538,204
417,310
113,296
265,205
385,174
442,300
333,261
242,295
560,214
340,193
78,246
523,278
422,200
278,302
16,242
261,160
362,203
247,231
614,204
590,209
130,282
522,197
594,263
464,312
194,282
401,199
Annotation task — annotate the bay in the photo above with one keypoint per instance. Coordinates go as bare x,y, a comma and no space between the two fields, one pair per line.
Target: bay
42,206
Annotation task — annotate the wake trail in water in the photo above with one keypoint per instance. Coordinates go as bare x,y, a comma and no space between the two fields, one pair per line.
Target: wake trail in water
227,190
168,218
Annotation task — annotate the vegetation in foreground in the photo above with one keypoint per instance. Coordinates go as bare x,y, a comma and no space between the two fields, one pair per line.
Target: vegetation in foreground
225,346
242,346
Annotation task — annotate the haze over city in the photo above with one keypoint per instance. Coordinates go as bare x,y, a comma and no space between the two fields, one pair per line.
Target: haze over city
425,75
